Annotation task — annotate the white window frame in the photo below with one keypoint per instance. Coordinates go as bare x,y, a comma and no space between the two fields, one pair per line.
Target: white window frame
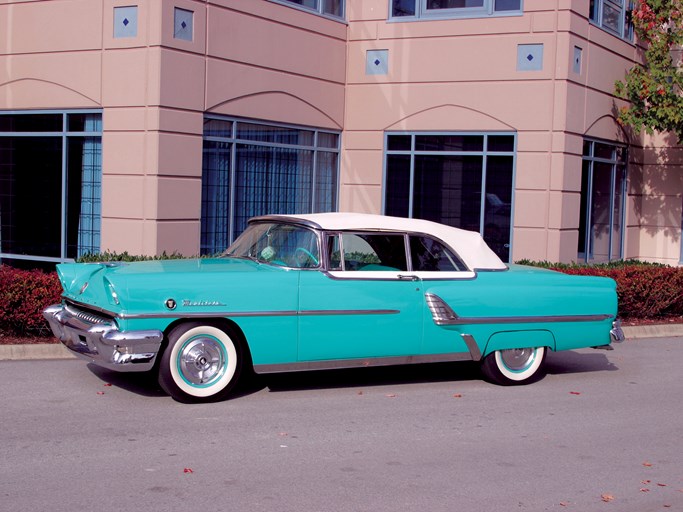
625,29
318,9
486,10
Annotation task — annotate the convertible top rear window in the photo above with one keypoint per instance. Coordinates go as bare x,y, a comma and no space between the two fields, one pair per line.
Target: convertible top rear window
429,255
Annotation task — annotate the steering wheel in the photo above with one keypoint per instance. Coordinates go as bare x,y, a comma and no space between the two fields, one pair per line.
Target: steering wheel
299,251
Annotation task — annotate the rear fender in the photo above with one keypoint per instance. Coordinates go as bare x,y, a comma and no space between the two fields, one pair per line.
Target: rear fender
519,339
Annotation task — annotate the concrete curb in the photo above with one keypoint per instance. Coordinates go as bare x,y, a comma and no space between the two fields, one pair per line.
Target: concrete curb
58,351
37,351
653,331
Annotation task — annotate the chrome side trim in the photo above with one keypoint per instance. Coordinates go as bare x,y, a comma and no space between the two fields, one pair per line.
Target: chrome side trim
342,312
237,314
529,319
339,364
224,314
205,314
472,346
443,314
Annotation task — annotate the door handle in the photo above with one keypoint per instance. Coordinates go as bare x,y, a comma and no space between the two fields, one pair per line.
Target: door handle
404,277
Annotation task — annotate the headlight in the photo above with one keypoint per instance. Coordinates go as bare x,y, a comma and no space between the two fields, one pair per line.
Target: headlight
111,293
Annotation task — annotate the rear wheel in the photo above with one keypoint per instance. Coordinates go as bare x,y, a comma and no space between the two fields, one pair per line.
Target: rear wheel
201,363
514,366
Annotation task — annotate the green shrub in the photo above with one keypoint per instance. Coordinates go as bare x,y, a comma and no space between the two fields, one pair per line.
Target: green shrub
102,257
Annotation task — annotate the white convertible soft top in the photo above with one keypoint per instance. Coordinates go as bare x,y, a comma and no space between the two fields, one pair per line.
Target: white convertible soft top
469,245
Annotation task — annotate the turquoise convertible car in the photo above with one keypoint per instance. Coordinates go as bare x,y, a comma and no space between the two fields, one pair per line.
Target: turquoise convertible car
330,290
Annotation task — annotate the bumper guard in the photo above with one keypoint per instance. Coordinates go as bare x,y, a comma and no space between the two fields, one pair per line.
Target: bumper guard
98,340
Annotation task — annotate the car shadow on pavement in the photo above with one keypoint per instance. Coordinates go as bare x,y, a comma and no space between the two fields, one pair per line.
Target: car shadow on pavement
375,376
584,361
140,383
557,363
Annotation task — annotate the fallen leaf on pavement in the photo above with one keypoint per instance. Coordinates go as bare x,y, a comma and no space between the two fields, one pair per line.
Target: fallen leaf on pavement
457,395
647,464
574,393
607,498
391,395
188,470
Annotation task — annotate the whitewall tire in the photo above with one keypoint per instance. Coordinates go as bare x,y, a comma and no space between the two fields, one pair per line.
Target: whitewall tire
201,363
514,366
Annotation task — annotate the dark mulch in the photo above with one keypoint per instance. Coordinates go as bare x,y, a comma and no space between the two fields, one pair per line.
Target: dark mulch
26,340
653,321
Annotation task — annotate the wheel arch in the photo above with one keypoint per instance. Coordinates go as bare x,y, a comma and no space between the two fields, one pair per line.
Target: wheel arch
504,340
224,324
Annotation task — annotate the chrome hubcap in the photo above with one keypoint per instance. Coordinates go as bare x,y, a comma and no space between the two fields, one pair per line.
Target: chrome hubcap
518,359
201,361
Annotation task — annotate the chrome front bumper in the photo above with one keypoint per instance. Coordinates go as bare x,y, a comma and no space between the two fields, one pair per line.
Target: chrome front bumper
98,340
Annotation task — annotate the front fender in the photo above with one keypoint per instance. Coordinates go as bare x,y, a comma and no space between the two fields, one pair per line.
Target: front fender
519,339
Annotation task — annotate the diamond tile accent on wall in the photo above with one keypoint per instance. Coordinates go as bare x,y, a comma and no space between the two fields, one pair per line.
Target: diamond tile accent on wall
183,22
578,56
530,57
377,62
126,21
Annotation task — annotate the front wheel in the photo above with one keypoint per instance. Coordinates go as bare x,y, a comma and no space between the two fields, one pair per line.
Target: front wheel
201,363
514,366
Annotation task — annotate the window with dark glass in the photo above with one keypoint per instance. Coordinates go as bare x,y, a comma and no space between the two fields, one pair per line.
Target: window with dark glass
462,180
613,16
405,9
429,255
334,8
50,186
603,182
251,168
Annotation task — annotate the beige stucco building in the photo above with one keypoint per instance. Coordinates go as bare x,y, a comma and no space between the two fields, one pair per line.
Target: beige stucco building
162,125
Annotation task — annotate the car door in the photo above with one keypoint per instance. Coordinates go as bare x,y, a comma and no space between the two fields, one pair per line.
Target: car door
366,305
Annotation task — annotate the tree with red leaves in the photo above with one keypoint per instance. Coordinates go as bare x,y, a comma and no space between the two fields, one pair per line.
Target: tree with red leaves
655,88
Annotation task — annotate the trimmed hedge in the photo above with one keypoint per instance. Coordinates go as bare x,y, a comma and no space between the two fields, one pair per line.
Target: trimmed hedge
23,296
25,293
646,290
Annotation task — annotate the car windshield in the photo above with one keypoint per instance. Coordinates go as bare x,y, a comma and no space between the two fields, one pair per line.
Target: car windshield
286,245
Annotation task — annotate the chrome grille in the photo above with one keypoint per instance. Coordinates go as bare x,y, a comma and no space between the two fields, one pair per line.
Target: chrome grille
87,316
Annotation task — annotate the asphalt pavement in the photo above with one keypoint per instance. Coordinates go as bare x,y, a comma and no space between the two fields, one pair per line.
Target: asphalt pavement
601,432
